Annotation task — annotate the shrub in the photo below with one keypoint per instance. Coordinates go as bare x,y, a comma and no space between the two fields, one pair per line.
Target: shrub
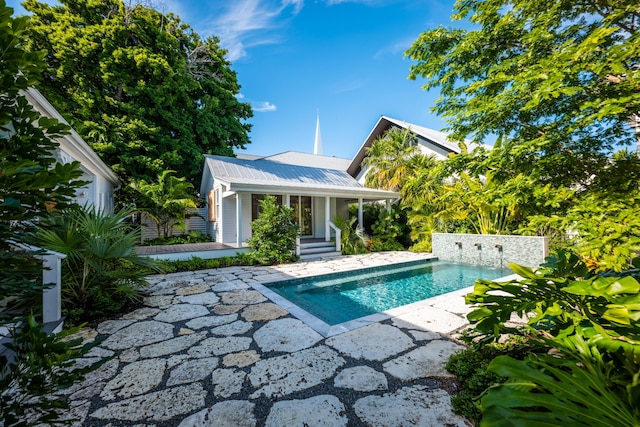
587,327
390,231
102,273
353,239
193,236
273,238
196,263
42,364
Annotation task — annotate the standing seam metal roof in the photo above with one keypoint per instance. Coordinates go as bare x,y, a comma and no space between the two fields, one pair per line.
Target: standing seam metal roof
265,172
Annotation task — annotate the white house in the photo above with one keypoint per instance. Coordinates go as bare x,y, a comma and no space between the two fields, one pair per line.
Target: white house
317,187
103,182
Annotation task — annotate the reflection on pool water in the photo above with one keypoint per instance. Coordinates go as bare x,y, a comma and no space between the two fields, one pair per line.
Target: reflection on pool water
340,297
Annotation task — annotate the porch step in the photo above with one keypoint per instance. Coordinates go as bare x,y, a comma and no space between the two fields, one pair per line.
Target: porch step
317,249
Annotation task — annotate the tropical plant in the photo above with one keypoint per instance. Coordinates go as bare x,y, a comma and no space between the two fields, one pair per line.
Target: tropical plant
102,273
390,232
167,201
589,326
139,85
388,159
42,365
273,237
353,239
35,364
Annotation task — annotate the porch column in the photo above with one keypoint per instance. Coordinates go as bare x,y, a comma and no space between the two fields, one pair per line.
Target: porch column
238,220
327,218
360,220
388,201
287,200
52,297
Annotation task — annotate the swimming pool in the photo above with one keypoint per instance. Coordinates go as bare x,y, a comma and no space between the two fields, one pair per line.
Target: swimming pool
341,297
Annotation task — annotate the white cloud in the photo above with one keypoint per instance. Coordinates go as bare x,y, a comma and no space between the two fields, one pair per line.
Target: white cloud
246,23
263,107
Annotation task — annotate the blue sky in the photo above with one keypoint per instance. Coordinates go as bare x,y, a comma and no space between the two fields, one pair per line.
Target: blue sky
295,57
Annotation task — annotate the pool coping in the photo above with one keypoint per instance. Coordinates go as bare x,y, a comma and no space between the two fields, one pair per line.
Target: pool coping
327,330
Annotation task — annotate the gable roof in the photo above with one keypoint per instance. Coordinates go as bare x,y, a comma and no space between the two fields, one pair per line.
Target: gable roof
265,175
71,142
430,139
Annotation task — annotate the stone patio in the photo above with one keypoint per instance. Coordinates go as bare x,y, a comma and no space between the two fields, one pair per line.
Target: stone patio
208,349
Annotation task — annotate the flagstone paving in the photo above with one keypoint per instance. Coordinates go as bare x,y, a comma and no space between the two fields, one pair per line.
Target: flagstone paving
209,350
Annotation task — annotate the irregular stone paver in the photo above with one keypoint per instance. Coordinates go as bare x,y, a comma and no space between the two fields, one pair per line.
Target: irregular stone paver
157,406
231,413
160,301
227,382
263,312
141,314
211,321
192,370
373,342
317,411
110,326
232,285
192,290
136,378
427,361
409,407
139,334
280,376
205,298
430,319
238,327
218,346
171,346
228,309
425,336
202,380
243,297
179,312
287,334
242,359
361,378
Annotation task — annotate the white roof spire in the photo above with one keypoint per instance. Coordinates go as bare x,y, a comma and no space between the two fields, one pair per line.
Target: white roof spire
317,146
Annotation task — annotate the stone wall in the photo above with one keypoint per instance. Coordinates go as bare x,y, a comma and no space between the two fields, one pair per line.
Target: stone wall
490,249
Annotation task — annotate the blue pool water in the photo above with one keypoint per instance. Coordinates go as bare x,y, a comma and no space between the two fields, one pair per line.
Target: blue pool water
340,297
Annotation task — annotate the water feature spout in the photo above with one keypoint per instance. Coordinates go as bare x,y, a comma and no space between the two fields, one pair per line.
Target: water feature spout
458,244
499,247
477,245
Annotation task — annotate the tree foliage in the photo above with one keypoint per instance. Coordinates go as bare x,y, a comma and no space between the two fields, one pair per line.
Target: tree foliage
558,82
140,86
30,179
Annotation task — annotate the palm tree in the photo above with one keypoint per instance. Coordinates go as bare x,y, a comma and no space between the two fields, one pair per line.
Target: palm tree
389,159
166,201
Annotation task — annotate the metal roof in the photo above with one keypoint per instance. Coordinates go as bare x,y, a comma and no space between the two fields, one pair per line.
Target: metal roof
264,174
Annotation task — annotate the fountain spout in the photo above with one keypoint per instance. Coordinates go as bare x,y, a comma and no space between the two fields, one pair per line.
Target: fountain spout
458,244
477,245
499,247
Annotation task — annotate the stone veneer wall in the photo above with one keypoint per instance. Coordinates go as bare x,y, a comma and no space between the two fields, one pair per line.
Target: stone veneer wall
523,250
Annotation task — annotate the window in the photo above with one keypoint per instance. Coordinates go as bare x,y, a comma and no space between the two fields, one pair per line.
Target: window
255,204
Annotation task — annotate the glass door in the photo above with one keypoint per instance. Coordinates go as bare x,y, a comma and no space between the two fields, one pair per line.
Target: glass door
302,214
